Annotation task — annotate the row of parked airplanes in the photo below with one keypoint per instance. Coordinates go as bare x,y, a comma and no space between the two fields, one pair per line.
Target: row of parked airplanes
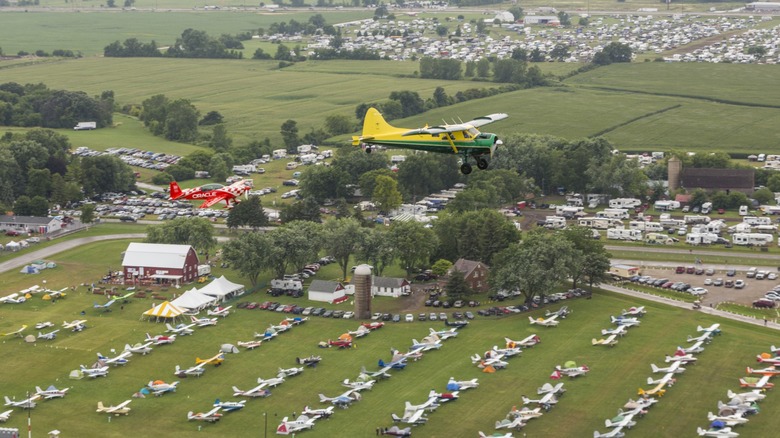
628,318
635,409
740,405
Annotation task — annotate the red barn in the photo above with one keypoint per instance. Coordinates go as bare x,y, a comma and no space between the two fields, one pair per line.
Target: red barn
150,263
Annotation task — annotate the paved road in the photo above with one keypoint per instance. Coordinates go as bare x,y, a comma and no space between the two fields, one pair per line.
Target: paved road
29,257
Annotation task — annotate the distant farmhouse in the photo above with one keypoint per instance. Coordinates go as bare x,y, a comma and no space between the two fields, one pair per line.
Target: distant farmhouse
475,274
390,287
30,224
148,263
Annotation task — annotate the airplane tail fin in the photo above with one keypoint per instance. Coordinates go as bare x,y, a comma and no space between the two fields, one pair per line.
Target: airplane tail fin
395,418
174,190
533,321
373,124
7,401
323,399
607,423
38,390
655,368
701,431
381,363
408,407
650,381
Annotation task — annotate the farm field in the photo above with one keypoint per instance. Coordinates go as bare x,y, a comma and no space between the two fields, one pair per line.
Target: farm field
615,376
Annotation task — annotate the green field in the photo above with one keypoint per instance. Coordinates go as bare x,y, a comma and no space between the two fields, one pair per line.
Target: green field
616,373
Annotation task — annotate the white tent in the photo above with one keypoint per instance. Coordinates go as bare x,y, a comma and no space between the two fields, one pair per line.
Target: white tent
12,246
222,289
194,300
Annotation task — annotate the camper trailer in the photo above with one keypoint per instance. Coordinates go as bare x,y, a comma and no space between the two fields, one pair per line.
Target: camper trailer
567,210
623,272
706,208
624,203
666,205
757,220
696,219
752,239
672,223
613,213
279,154
555,222
701,238
645,226
599,223
624,234
659,239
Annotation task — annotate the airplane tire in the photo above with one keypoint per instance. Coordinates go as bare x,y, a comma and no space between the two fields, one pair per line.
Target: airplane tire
482,163
368,150
465,168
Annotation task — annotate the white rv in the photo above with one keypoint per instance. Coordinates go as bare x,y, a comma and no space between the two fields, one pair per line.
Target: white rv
752,239
672,223
614,213
567,210
624,203
701,238
555,222
757,220
659,239
599,223
624,234
279,154
645,226
696,219
666,205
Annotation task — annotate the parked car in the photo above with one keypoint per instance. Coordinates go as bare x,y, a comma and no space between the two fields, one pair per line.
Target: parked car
396,317
710,271
469,315
729,283
739,284
409,317
764,303
718,282
421,317
680,270
697,291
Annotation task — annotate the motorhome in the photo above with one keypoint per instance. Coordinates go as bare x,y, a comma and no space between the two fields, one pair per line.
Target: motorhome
713,227
645,226
770,209
666,205
696,219
574,200
599,223
555,222
623,272
614,213
624,234
752,239
85,126
701,238
672,223
706,208
624,203
567,210
279,154
757,220
743,210
659,239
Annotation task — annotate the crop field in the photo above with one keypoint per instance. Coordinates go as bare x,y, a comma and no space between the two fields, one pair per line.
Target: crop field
616,372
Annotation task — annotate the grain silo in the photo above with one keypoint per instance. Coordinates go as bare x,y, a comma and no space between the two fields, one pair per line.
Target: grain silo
674,167
362,282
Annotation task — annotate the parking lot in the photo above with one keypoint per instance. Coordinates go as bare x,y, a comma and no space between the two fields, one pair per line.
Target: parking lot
753,290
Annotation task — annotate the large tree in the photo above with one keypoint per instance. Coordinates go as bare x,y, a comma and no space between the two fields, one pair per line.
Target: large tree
534,266
249,213
197,232
250,254
414,244
377,249
590,260
386,195
294,245
343,238
474,235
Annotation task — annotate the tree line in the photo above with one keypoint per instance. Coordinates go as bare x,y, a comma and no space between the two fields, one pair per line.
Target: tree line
192,44
32,105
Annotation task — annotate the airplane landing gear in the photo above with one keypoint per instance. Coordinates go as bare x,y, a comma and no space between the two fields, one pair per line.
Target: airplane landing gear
482,163
465,168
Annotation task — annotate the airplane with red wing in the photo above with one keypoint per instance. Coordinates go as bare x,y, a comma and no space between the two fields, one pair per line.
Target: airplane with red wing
212,193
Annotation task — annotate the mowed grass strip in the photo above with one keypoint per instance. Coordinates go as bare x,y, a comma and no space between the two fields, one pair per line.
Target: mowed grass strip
616,372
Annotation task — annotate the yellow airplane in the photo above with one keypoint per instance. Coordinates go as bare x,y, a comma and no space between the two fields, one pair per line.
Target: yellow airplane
17,332
216,360
461,139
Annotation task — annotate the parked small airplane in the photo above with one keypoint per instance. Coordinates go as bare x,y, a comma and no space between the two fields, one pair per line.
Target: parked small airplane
203,322
562,313
614,433
713,329
413,417
768,371
381,374
215,360
767,358
609,341
280,328
104,307
693,349
658,390
297,320
360,332
750,396
460,138
341,343
396,364
257,391
640,403
718,433
397,355
310,361
737,406
272,382
287,426
457,323
181,329
373,325
229,406
51,392
444,334
195,371
12,299
460,385
494,361
48,336
95,372
675,367
318,413
572,371
425,345
680,357
249,345
76,325
158,387
528,342
525,413
139,348
545,402
729,420
753,382
5,416
619,331
359,385
219,311
506,352
634,311
667,379
626,321
621,420
28,403
267,335
429,405
43,325
213,193
161,339
549,322
211,416
289,372
120,409
704,337
558,389
444,397
343,400
17,332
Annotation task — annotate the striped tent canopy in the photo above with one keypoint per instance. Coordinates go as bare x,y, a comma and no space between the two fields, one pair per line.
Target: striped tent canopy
163,311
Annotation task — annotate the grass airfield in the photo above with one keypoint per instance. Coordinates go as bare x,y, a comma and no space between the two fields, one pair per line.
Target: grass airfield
616,372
